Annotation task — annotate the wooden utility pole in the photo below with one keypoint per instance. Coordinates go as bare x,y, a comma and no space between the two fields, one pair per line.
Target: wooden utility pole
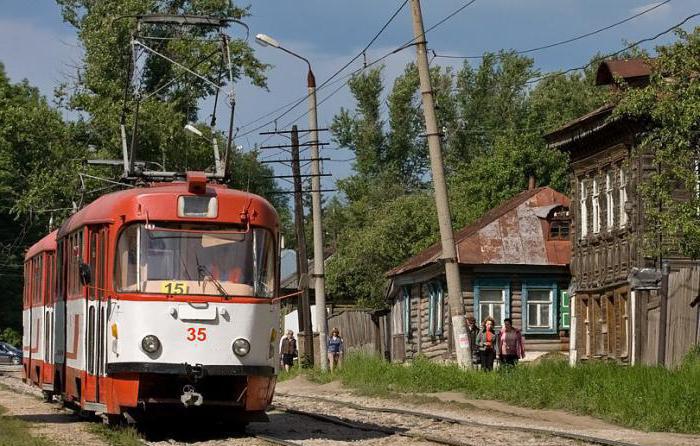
449,254
307,359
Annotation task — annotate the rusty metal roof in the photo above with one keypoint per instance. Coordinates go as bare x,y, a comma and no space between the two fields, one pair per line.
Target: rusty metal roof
630,70
510,234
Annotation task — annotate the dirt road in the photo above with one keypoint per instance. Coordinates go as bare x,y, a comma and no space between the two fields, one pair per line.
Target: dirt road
298,419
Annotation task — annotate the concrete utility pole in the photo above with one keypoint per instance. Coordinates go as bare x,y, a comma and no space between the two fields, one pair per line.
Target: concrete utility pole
320,286
449,255
307,359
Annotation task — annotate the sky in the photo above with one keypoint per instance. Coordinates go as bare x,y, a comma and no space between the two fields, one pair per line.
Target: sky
36,45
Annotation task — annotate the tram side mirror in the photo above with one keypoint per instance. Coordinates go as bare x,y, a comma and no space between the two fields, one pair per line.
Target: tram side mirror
85,274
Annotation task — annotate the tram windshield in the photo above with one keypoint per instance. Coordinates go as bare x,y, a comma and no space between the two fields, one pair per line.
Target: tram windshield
195,259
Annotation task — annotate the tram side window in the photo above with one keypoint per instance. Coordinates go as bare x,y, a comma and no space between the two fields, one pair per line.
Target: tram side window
90,348
126,267
59,272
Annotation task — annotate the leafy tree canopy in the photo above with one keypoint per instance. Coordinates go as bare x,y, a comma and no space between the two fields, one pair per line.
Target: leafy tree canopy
670,109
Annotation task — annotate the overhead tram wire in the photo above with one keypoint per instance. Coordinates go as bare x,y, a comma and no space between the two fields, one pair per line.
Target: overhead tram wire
613,54
564,42
297,102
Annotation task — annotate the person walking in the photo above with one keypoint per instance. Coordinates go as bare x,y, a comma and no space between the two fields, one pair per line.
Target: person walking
487,340
289,350
472,333
511,346
335,349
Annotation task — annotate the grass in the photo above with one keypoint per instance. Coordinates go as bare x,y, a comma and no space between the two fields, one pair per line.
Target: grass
15,432
117,436
642,397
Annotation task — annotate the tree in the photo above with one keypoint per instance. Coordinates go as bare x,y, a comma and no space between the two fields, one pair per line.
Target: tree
669,109
493,121
37,173
169,97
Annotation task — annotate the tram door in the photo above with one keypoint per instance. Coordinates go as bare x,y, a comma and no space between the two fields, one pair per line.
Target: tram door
95,351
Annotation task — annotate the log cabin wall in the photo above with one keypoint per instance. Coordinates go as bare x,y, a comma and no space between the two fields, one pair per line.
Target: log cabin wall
420,340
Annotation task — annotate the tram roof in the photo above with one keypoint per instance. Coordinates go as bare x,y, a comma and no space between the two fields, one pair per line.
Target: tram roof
48,243
151,202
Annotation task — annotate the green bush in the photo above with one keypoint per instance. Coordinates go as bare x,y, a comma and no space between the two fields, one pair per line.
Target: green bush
649,398
11,336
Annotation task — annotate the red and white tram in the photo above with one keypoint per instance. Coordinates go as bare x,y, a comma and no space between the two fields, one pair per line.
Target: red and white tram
160,297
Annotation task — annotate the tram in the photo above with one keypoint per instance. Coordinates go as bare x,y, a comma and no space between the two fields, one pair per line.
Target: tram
158,298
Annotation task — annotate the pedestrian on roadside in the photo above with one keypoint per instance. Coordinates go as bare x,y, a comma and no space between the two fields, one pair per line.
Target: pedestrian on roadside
335,349
289,350
511,346
487,341
472,333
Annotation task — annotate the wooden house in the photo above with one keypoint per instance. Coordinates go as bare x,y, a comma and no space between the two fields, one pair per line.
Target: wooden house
617,312
514,262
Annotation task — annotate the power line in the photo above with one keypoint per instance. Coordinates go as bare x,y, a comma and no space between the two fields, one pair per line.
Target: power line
365,66
628,47
296,102
564,42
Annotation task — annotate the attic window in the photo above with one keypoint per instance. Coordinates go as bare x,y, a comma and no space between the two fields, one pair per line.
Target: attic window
559,223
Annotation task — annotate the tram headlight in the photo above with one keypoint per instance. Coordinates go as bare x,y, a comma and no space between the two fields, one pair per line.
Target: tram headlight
150,344
241,347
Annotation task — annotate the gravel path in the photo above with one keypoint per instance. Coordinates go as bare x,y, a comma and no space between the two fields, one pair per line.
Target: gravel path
48,420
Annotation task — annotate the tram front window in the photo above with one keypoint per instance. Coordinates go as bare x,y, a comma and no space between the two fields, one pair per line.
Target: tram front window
195,259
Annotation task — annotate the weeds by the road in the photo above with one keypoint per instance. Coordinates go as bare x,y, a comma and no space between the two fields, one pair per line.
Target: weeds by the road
117,436
649,398
15,432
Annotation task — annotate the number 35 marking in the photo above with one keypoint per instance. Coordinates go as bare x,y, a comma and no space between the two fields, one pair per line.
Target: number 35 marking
196,335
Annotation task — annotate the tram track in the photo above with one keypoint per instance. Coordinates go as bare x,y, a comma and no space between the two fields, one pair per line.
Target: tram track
444,419
387,430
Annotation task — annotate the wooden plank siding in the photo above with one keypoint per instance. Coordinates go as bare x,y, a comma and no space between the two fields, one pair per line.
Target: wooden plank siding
420,342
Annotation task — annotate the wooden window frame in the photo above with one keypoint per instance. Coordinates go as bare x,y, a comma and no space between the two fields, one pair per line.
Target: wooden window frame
553,289
583,208
492,284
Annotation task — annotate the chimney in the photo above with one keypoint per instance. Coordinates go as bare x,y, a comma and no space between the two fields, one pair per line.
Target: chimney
531,183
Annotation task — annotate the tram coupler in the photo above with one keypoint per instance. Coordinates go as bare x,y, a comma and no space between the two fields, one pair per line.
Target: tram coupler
191,398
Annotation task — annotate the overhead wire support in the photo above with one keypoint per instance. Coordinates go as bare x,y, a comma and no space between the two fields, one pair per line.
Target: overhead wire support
285,146
291,160
279,132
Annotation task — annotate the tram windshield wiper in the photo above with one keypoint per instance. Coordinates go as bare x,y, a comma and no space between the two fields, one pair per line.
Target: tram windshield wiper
203,272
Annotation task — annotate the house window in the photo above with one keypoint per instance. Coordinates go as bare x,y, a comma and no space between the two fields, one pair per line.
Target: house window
435,309
406,309
559,222
565,311
596,207
583,208
397,316
539,301
491,298
609,205
623,199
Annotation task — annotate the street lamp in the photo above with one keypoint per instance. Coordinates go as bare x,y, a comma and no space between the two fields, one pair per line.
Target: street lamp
319,288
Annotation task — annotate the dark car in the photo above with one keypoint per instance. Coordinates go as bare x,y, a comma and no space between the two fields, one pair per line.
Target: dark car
10,354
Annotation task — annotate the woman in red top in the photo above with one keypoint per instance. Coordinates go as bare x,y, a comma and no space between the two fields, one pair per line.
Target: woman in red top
487,340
